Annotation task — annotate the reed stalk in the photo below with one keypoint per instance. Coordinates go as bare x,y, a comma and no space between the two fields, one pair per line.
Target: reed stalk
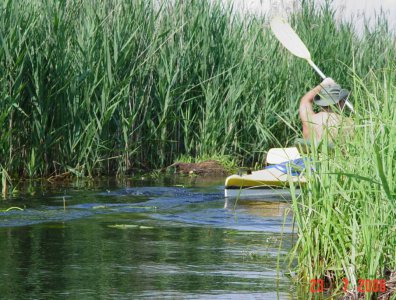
346,214
107,88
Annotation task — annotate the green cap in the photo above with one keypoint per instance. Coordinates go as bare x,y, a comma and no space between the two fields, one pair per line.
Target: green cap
331,95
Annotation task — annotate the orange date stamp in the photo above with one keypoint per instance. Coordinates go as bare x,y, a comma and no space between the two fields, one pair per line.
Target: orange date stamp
364,285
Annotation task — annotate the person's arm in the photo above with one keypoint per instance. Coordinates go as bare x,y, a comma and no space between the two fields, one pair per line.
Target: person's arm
306,107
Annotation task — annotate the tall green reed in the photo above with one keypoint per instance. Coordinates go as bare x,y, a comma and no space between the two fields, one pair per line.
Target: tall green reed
346,213
97,87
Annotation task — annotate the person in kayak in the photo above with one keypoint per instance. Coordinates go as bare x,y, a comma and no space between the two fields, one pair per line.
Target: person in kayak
329,121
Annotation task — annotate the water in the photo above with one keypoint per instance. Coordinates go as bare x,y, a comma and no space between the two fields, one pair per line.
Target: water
128,240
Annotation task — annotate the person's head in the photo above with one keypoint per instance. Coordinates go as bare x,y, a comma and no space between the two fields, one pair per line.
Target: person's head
332,95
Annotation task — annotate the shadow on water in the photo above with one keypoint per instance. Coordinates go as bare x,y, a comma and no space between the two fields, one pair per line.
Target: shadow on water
116,241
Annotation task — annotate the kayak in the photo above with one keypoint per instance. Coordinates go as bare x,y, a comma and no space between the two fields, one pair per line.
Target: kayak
268,182
284,167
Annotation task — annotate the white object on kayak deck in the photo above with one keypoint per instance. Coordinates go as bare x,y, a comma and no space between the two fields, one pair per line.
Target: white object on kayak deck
281,155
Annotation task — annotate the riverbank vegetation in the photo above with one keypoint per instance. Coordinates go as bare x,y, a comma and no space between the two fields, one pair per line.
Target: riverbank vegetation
107,88
93,87
345,215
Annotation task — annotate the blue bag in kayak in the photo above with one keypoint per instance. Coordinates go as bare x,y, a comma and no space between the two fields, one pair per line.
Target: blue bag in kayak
295,166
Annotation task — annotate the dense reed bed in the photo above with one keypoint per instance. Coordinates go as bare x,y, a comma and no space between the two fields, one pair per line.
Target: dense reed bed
95,87
346,214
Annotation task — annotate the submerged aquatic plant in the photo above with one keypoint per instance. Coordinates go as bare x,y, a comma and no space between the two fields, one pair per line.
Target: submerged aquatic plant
11,208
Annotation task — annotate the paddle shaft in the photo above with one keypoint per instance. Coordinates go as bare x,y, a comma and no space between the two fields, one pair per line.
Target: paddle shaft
315,67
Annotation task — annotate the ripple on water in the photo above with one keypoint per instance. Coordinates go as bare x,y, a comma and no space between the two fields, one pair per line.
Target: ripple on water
175,206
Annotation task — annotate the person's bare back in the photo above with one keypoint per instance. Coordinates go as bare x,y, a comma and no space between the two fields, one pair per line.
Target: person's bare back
331,124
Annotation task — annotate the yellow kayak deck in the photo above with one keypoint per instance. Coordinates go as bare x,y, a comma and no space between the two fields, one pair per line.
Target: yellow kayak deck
267,178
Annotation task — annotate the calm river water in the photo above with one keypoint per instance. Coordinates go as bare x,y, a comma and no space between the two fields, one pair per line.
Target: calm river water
163,239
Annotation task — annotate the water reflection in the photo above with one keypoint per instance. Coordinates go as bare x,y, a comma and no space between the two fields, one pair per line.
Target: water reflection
143,242
260,207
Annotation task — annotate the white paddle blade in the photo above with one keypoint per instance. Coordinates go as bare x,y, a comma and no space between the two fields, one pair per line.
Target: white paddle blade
289,38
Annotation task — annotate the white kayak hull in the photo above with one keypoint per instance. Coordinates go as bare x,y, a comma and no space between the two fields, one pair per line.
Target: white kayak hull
264,194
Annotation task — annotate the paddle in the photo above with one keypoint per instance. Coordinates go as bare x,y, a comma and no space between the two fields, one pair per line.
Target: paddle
292,42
